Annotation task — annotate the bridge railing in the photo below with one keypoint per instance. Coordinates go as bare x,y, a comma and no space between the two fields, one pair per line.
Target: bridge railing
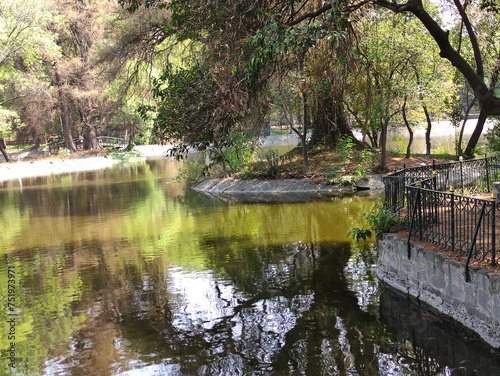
114,142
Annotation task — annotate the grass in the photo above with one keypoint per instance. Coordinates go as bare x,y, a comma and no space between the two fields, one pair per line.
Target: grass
329,166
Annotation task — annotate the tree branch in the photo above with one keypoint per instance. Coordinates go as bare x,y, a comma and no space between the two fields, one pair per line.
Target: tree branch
488,102
472,37
323,9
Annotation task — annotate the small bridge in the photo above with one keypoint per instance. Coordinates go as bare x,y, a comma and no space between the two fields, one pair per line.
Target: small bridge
112,142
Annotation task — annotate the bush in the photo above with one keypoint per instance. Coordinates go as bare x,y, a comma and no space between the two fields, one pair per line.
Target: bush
191,171
493,138
238,155
380,220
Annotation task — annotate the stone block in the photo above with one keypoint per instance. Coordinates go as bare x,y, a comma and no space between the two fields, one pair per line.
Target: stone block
496,190
439,281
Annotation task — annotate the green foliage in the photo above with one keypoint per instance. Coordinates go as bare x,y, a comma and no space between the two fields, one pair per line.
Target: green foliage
345,147
126,156
272,163
191,171
454,110
381,219
238,154
445,147
365,162
7,119
493,137
189,114
275,40
490,6
335,173
359,233
400,143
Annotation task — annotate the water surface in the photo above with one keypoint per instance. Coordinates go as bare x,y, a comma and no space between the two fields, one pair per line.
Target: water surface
127,272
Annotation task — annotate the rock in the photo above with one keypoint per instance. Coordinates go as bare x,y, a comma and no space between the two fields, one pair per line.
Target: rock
370,182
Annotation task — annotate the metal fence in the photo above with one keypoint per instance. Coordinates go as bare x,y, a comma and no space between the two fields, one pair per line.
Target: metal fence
438,204
465,177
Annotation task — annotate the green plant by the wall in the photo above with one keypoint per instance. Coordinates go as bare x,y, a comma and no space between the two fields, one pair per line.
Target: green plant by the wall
381,219
335,173
358,233
272,163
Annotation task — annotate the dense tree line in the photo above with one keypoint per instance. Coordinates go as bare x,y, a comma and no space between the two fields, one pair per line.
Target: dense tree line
199,71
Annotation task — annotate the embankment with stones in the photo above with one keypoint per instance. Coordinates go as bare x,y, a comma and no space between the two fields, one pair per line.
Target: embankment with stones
437,280
279,190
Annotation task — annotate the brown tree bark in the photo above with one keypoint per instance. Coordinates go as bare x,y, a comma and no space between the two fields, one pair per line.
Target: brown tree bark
474,138
89,138
410,131
427,130
64,114
384,124
3,150
462,128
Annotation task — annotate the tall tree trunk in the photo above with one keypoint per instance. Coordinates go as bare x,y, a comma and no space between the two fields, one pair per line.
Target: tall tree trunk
410,131
464,122
64,116
474,138
383,145
329,120
89,133
89,138
427,131
3,150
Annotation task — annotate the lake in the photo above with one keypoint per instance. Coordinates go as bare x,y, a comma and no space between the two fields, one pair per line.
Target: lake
126,272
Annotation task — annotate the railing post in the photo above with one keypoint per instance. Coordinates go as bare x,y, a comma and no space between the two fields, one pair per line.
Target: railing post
452,219
493,235
473,242
462,176
418,184
412,222
487,175
435,199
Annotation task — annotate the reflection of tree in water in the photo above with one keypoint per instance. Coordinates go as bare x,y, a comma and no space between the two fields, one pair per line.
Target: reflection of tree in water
335,336
283,310
275,310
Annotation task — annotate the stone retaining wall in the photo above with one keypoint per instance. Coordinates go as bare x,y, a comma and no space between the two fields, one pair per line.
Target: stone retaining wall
439,281
277,190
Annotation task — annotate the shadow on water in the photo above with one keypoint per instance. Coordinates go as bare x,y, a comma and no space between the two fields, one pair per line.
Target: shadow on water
430,340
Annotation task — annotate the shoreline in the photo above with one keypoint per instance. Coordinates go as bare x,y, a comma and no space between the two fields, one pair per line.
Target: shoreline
20,169
44,165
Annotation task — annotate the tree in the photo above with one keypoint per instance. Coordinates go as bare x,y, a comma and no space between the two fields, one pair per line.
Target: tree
383,76
214,66
7,118
82,99
473,71
25,41
137,47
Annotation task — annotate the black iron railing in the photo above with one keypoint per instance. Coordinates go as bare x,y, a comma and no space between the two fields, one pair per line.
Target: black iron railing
437,201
